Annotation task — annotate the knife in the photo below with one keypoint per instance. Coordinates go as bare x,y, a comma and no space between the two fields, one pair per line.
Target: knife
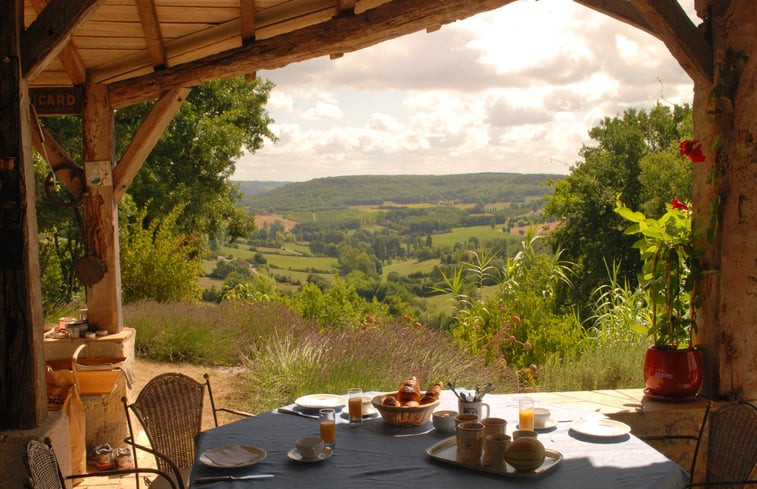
298,413
219,478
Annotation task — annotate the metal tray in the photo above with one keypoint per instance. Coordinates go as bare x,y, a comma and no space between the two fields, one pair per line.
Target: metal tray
446,451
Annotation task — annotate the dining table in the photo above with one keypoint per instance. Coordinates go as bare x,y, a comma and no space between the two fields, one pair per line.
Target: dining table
369,455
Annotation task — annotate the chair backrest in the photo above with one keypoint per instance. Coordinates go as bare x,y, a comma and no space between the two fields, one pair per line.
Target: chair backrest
169,407
44,472
732,444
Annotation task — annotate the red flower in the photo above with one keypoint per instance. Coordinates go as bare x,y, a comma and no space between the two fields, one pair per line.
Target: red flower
692,149
677,204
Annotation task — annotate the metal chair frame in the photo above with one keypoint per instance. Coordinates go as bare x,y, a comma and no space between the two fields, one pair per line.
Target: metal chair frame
44,471
731,446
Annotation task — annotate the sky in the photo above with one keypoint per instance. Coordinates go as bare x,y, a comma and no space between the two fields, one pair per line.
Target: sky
512,90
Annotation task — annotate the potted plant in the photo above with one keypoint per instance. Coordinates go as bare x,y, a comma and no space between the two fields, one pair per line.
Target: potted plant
673,366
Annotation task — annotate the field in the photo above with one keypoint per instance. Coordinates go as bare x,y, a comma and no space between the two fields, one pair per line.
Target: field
462,235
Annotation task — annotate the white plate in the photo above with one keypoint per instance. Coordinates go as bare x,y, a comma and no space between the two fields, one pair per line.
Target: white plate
600,427
232,456
295,455
320,401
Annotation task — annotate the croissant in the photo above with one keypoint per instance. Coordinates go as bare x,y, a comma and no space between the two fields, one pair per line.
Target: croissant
409,391
432,394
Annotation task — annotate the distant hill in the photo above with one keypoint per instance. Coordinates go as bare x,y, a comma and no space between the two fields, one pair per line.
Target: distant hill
338,192
256,187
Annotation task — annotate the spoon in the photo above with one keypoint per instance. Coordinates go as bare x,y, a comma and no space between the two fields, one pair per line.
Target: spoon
414,434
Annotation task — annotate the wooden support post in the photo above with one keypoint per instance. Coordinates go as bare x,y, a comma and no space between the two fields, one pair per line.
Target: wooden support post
23,398
100,270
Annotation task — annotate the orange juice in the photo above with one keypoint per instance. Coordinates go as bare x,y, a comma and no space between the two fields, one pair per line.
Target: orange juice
526,419
328,432
356,408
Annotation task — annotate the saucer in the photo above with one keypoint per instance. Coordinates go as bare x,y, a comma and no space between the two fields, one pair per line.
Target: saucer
295,455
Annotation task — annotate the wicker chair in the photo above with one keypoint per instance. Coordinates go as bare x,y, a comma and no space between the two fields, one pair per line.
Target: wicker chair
44,471
731,446
169,408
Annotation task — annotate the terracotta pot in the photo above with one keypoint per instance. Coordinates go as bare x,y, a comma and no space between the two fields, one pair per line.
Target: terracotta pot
673,373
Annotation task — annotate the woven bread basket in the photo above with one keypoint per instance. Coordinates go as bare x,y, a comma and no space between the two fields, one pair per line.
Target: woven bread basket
404,415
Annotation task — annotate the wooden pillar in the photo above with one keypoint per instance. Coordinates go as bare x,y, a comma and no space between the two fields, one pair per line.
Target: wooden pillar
23,399
724,197
100,270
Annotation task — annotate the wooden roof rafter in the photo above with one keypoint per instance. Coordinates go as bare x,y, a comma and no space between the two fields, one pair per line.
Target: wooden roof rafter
46,37
687,44
69,56
148,16
666,20
621,10
340,34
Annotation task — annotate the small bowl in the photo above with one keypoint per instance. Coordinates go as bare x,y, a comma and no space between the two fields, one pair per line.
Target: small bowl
541,416
444,421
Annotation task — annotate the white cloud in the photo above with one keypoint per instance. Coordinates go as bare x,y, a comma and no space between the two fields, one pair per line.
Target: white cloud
322,111
516,89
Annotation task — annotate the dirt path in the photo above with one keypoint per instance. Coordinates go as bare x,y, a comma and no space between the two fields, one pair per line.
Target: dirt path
224,381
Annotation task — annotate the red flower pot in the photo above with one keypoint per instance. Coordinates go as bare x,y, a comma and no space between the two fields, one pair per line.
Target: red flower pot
673,373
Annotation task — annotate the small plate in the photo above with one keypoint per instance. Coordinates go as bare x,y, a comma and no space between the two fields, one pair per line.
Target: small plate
600,427
320,401
295,455
232,456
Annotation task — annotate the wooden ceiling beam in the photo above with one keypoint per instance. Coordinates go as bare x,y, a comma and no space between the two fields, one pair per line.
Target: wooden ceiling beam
145,139
621,10
687,44
346,7
148,17
69,56
341,34
247,19
49,33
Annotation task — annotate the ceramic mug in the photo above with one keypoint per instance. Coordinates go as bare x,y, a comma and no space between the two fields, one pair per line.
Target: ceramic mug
475,407
470,442
310,447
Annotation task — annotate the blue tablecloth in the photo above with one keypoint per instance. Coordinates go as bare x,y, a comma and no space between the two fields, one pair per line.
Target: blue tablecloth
368,456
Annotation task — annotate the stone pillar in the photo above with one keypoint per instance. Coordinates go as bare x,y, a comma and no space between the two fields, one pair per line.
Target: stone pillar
725,202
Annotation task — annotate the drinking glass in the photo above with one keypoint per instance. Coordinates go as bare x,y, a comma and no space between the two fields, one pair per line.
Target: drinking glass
327,418
526,414
355,405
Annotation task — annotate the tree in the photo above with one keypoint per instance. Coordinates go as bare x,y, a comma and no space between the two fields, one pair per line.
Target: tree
620,163
189,169
158,261
194,159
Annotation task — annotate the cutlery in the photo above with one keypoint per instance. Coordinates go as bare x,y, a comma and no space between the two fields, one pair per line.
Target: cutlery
414,434
219,478
298,413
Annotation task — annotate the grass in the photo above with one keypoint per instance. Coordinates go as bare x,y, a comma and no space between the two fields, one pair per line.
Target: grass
285,356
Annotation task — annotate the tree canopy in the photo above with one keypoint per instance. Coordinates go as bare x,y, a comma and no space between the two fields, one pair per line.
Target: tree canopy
634,158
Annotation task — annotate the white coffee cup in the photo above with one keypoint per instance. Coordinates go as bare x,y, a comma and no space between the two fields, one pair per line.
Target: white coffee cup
475,407
309,447
541,416
444,421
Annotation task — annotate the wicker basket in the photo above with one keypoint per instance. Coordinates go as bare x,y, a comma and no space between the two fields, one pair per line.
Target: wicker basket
404,416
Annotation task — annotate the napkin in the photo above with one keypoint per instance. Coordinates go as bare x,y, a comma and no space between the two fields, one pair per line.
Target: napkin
230,456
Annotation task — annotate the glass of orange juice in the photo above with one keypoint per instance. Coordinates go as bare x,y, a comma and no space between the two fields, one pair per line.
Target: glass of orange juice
327,418
526,414
355,404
